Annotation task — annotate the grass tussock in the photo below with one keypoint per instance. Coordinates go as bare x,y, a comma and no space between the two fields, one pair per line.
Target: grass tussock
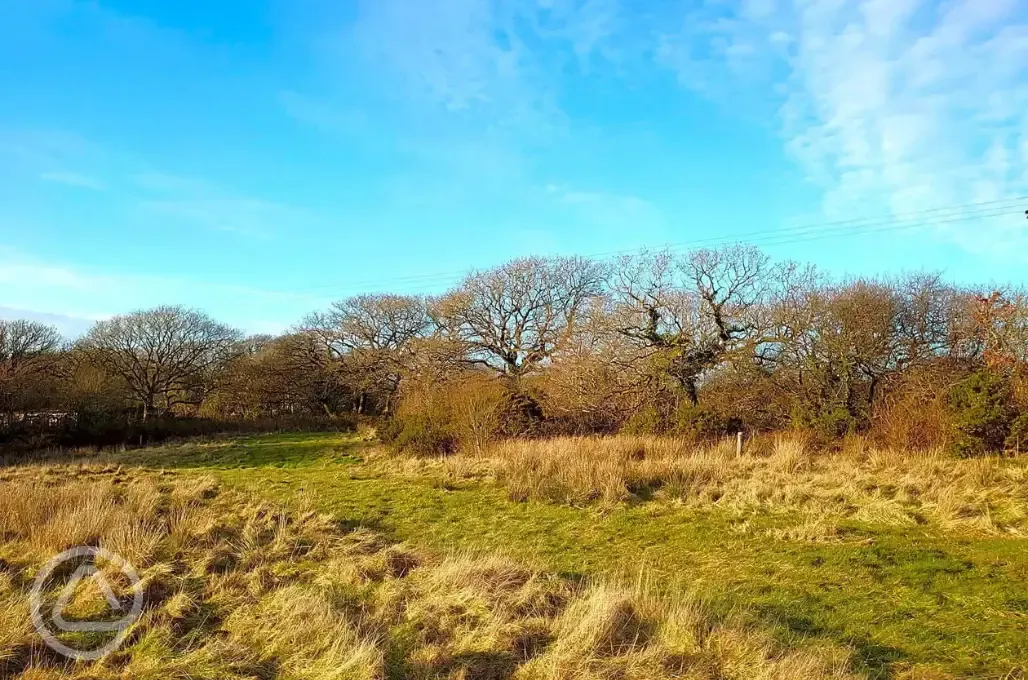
234,588
885,487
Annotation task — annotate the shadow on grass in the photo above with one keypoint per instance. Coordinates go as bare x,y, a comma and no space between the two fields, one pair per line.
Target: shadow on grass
261,451
869,658
347,526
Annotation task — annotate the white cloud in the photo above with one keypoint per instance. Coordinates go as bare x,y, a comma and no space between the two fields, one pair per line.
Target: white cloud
38,288
47,287
616,215
73,180
132,183
455,52
494,65
17,271
41,150
68,325
590,27
894,105
200,202
466,91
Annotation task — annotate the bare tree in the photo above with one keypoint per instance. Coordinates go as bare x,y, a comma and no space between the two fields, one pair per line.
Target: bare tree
370,338
690,312
846,340
29,351
165,355
382,323
519,315
926,321
289,374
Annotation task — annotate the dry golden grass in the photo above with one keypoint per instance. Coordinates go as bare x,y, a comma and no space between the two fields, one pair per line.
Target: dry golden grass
780,474
234,588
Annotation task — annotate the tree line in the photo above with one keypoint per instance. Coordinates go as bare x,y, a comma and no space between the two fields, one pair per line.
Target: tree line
698,344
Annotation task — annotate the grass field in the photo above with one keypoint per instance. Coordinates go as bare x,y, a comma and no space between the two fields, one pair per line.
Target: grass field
914,568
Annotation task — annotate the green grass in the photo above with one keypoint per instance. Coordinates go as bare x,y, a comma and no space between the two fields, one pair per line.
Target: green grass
910,602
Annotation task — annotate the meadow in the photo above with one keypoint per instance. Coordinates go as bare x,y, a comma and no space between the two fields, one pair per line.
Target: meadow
325,555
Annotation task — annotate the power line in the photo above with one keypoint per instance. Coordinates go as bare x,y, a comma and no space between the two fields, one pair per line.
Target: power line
442,277
912,219
815,237
886,228
768,237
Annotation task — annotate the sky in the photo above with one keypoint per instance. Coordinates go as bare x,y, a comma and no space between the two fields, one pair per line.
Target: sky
261,158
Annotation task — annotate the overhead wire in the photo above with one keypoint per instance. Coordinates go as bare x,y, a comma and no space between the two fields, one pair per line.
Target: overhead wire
767,238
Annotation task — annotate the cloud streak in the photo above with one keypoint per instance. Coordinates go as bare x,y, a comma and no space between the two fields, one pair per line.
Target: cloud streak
73,180
73,296
200,202
886,104
133,183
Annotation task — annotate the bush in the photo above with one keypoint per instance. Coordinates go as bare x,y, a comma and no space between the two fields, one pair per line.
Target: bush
582,394
696,423
982,413
648,420
1017,440
420,434
440,418
699,423
913,410
826,423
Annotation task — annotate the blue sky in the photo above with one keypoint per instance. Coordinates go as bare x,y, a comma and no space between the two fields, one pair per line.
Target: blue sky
259,159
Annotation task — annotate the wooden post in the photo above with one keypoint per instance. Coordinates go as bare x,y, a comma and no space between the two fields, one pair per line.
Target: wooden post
738,444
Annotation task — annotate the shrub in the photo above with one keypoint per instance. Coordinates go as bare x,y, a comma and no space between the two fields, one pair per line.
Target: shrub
648,420
700,422
419,434
913,410
583,394
1018,437
442,417
982,413
825,423
695,423
518,412
89,429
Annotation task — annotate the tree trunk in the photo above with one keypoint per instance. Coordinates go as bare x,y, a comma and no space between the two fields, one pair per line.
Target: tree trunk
692,392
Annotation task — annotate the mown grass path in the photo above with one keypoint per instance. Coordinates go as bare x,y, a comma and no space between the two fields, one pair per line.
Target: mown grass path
910,602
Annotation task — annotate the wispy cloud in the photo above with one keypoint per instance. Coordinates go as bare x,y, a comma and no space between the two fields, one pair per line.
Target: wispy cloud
894,104
343,122
466,92
134,184
68,325
73,180
46,154
592,27
622,216
458,53
33,287
203,203
505,59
